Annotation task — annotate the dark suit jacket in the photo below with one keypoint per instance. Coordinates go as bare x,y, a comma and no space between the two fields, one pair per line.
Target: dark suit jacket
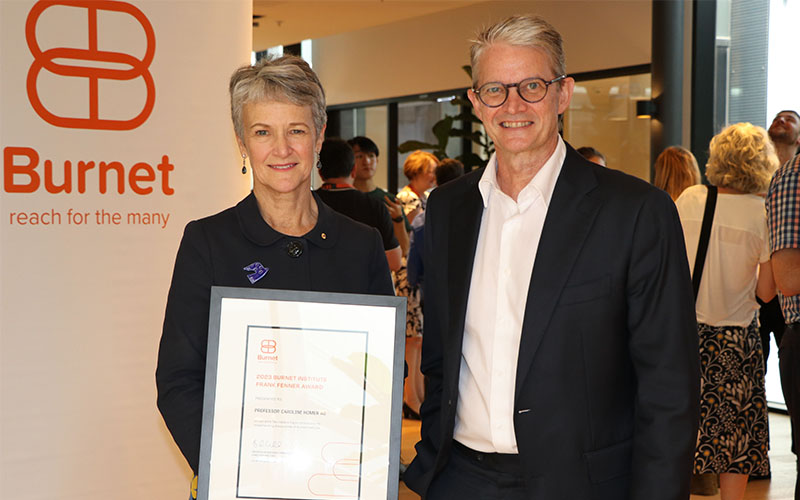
608,359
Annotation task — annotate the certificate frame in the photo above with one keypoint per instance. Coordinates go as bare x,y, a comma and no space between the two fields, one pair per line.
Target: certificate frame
286,372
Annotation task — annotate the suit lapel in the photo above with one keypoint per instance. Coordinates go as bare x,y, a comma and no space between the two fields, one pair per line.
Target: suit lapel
464,226
569,219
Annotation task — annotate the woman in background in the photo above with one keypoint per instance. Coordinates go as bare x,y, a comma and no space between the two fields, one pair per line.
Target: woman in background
675,170
418,169
734,433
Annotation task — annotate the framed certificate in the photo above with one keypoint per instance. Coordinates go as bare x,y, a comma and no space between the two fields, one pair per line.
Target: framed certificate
303,396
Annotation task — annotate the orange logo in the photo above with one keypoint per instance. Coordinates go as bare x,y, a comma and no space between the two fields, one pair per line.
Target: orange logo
269,346
100,60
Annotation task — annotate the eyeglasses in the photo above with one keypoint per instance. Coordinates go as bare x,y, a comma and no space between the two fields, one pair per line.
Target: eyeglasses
532,90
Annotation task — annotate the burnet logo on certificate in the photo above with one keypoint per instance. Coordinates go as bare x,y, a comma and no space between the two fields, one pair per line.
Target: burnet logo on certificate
269,350
103,67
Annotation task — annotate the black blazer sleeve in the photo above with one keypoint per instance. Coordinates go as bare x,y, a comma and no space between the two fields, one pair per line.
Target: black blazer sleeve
664,353
180,375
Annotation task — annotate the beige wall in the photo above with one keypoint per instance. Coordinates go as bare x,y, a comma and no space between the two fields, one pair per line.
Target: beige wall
426,54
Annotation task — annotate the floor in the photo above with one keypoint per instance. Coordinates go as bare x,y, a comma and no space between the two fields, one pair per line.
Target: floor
780,487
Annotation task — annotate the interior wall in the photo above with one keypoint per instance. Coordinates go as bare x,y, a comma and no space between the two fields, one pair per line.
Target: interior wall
425,54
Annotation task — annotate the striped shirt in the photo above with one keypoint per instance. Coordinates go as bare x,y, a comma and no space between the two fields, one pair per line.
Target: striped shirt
783,218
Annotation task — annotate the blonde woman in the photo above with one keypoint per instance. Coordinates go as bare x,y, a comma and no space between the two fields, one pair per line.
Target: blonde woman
675,170
418,169
734,433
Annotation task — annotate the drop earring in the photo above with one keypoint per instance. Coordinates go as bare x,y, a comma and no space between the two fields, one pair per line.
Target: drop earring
319,162
244,167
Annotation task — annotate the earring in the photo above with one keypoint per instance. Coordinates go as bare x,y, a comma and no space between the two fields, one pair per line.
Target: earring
319,162
244,167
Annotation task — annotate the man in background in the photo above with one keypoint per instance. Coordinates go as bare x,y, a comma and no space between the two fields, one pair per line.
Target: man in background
785,134
366,158
337,191
783,217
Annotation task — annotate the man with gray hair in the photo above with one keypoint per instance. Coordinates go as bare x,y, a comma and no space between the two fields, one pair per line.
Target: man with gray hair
560,344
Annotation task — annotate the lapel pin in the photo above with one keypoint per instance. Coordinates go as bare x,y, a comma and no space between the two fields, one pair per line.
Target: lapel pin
258,271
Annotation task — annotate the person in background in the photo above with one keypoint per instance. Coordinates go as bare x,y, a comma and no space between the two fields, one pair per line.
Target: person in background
336,162
418,169
593,155
675,170
560,347
783,216
785,134
734,430
281,236
448,170
366,157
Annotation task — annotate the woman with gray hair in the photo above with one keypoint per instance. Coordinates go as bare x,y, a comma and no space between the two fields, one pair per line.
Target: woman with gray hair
734,433
281,236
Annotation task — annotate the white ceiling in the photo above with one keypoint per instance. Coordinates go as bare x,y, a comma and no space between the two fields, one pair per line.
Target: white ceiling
288,22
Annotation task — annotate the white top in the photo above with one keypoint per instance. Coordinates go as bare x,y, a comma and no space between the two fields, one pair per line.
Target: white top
506,249
738,243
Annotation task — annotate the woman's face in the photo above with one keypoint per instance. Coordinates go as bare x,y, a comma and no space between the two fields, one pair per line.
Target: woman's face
429,176
281,142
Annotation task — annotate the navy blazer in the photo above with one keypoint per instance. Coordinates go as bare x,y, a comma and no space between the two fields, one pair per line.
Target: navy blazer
607,383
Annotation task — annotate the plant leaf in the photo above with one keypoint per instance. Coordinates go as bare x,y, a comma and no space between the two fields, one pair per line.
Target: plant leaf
409,146
441,130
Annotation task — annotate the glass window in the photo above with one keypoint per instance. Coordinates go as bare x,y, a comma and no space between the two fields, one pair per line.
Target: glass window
602,114
370,121
415,123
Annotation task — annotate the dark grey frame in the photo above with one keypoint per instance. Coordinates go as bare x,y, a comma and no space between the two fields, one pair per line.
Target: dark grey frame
395,427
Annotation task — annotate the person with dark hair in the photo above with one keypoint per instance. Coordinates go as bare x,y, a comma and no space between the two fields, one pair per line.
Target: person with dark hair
560,347
336,160
447,170
593,155
785,134
366,158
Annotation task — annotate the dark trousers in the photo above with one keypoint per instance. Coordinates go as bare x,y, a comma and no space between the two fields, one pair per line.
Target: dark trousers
770,320
789,353
468,475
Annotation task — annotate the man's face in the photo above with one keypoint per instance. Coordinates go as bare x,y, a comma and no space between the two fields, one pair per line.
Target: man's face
366,164
519,126
785,129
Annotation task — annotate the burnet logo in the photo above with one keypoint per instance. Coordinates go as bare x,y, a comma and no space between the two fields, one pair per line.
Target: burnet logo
97,67
269,350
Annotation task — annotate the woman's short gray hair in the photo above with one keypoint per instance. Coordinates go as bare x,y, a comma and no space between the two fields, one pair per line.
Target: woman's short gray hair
286,78
524,31
742,157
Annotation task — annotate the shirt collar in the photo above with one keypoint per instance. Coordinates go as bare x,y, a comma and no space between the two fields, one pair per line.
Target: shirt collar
256,229
542,185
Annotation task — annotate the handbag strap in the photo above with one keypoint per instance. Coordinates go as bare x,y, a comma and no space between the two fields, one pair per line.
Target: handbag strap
705,236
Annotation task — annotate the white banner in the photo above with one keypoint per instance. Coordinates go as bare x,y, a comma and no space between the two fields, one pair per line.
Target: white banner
115,131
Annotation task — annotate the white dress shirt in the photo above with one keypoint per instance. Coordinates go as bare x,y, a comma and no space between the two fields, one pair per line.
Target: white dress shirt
505,253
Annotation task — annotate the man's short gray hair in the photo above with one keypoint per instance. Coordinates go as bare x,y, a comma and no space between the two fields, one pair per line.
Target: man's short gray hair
524,31
286,78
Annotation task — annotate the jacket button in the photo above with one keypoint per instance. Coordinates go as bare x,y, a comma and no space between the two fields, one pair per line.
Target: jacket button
294,249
